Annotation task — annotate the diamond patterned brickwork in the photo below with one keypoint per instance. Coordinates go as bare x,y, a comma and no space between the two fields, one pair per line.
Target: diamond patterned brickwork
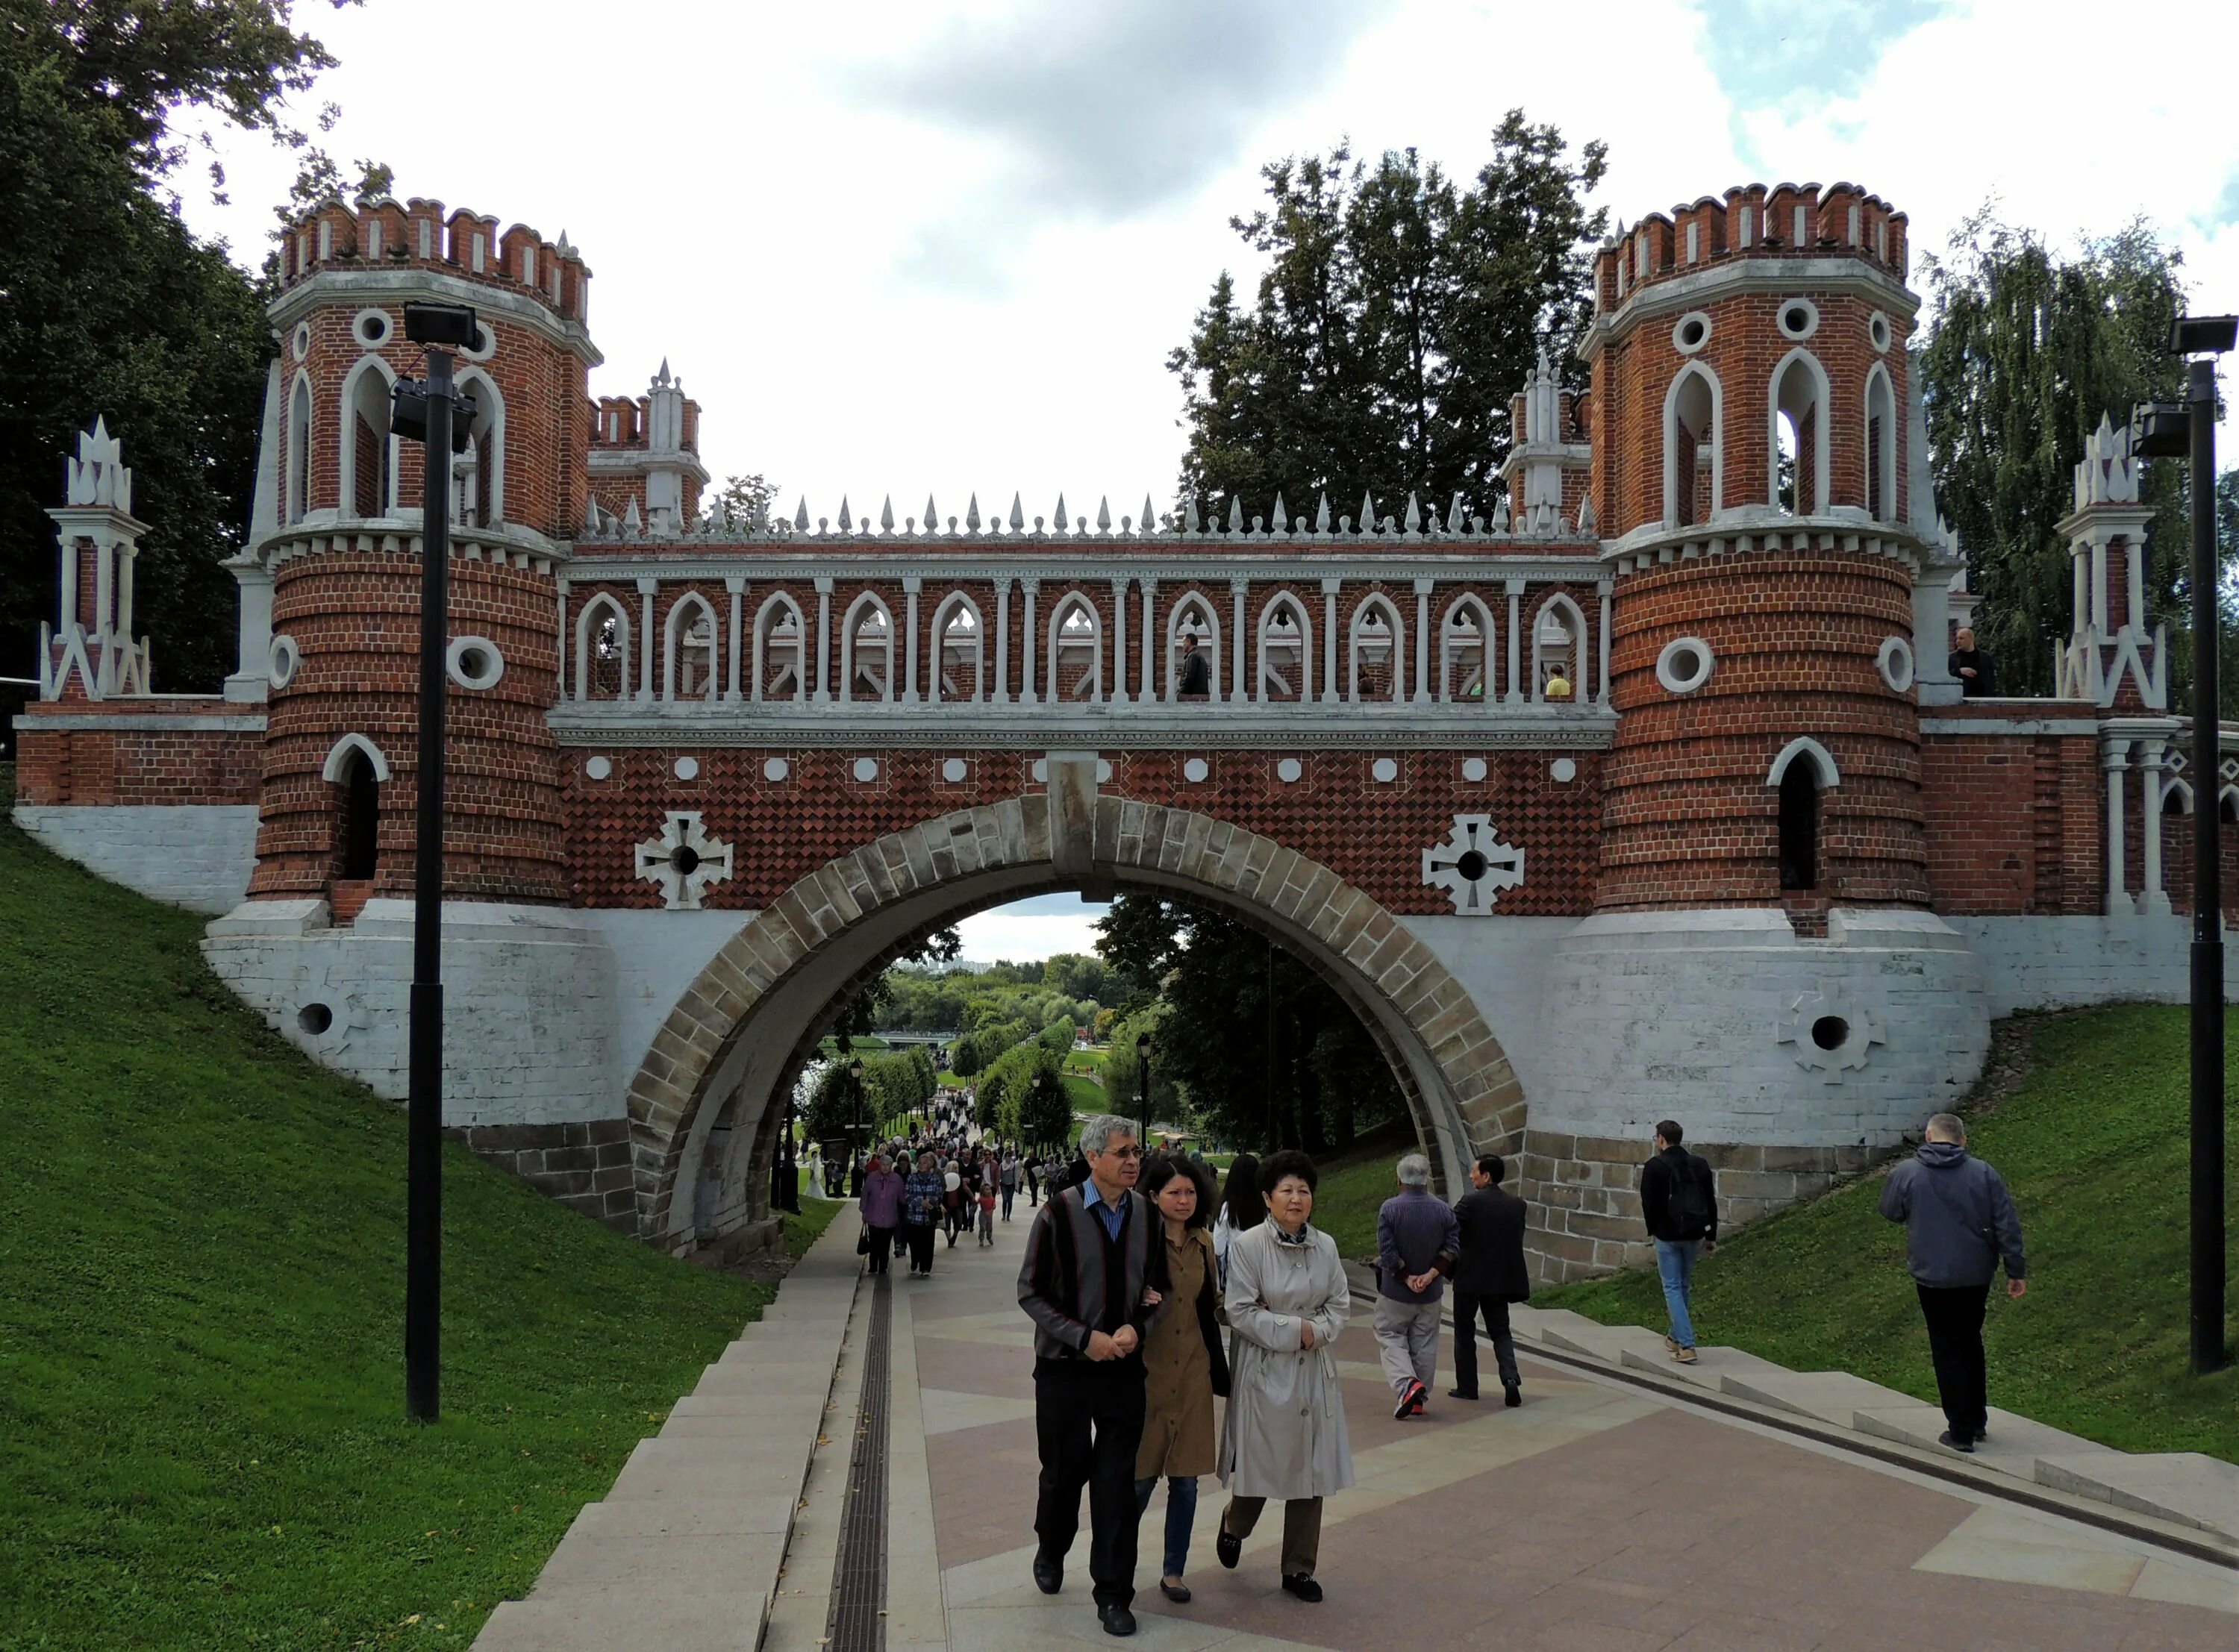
1370,833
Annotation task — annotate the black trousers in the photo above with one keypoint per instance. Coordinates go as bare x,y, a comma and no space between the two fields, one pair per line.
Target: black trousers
920,1246
1009,1193
1088,1420
1955,1343
882,1248
1494,1310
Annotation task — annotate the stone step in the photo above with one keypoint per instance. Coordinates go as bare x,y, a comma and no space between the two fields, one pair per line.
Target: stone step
2014,1447
1829,1396
772,1463
1576,1334
2187,1487
687,1516
601,1623
1711,1366
738,1569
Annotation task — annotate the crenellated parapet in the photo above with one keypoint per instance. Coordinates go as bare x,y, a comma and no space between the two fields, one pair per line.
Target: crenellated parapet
386,234
1783,222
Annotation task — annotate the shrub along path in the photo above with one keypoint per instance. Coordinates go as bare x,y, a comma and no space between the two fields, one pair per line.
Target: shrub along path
202,1244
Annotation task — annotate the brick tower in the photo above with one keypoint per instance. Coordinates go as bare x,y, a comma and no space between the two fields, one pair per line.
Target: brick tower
340,499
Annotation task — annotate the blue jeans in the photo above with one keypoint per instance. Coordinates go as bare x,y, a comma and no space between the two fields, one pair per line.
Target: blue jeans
1181,1515
1675,1265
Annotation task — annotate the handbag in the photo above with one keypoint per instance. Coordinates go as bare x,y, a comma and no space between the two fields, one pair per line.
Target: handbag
863,1242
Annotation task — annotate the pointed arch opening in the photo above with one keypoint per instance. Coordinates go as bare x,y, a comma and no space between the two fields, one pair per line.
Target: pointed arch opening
478,475
1466,652
602,649
1075,650
1558,649
1803,771
367,447
689,646
1694,447
1796,435
1880,492
959,670
1286,652
867,650
1192,649
1374,646
299,449
780,633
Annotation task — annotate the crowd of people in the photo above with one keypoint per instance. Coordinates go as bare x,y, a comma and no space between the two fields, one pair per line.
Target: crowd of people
1151,1294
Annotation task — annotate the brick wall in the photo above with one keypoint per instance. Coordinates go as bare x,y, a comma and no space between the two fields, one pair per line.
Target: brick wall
97,766
2014,823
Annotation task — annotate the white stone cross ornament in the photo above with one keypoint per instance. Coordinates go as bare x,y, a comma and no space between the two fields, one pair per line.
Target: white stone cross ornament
683,860
1473,866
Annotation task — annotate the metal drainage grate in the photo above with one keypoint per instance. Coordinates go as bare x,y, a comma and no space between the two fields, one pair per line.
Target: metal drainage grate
857,1620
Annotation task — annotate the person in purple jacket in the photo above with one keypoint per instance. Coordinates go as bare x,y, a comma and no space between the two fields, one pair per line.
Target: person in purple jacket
882,1205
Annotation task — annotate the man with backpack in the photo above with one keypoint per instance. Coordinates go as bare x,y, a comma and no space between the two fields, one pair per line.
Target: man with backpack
1680,1204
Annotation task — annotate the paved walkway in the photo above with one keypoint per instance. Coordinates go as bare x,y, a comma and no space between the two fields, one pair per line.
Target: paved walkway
1597,1515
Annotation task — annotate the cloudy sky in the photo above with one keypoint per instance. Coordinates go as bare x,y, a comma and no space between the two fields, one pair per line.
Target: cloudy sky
902,248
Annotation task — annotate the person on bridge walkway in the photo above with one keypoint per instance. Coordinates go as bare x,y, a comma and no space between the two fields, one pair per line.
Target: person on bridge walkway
1197,670
1491,1274
881,1205
1184,1367
953,1212
1009,1177
1418,1242
1959,1225
1679,1202
986,1213
1284,1435
1092,1255
1032,1169
1241,1208
921,1212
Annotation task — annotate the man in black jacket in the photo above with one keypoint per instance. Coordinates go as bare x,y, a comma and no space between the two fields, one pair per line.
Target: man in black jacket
1491,1274
1679,1201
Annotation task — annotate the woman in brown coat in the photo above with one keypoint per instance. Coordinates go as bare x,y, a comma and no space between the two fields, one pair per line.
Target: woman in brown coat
1184,1366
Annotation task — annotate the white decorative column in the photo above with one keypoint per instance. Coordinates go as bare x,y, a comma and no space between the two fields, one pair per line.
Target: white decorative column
1422,642
1515,639
1329,642
736,585
1119,642
1239,690
582,687
912,584
1602,686
1002,695
645,650
2114,756
2153,897
823,694
1151,692
1028,647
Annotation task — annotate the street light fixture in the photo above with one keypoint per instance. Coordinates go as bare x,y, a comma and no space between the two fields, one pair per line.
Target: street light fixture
1143,1083
424,412
2187,429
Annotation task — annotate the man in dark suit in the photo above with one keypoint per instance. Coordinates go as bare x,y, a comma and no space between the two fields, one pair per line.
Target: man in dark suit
1491,1274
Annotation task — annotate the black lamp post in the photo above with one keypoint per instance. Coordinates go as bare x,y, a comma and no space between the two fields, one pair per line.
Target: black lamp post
785,1175
1143,1084
423,412
2187,429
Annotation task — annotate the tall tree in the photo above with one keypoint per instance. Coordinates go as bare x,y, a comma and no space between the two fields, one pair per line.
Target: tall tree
110,308
2029,349
1398,315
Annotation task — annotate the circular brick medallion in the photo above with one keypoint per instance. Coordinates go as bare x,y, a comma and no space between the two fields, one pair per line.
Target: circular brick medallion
598,767
1195,770
1685,665
1473,769
954,770
474,662
775,770
867,769
1386,770
688,768
1563,770
1894,662
1289,770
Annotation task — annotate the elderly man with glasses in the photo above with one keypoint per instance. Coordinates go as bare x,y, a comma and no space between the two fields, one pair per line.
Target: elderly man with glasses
1092,1254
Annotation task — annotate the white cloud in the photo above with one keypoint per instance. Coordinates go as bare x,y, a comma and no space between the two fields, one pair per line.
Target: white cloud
755,189
1030,930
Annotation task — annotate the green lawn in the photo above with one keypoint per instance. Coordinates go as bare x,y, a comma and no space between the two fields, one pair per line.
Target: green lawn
201,1256
2093,1143
1355,1183
1085,1094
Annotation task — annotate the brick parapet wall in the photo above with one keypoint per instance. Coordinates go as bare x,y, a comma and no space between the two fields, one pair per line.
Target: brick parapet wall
1371,833
2014,822
355,615
93,766
1689,820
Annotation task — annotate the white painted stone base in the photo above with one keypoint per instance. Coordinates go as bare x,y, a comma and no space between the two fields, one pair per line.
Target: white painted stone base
2058,963
198,856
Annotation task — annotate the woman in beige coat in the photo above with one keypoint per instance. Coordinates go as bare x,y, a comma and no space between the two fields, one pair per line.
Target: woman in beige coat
1184,1366
1285,1433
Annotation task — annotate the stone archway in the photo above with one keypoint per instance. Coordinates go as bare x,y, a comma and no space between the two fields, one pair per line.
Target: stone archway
725,1044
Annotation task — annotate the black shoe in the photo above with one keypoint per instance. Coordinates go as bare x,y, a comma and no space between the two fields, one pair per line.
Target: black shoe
1177,1593
1228,1546
1117,1620
1956,1442
1049,1575
1461,1393
1512,1394
1304,1587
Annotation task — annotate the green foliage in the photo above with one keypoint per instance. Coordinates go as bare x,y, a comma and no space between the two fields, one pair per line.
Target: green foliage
868,1010
201,1249
1123,1077
2030,350
894,1084
2093,1143
746,501
1043,1118
1266,1052
1398,315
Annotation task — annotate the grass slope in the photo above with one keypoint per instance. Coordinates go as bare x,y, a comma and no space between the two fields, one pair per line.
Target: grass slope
2092,1141
202,1248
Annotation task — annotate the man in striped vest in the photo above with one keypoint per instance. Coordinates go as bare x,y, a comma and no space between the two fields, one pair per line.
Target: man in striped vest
1093,1250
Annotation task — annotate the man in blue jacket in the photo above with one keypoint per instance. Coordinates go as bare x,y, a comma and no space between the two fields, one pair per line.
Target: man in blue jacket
1959,1225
